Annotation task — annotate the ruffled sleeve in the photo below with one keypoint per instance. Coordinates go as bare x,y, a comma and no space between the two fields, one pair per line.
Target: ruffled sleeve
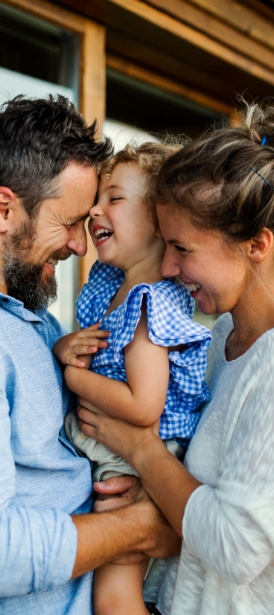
169,311
96,295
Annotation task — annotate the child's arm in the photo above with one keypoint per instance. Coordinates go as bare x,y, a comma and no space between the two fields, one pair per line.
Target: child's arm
141,399
69,348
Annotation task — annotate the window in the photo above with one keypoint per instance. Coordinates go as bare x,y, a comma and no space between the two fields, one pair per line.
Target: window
36,59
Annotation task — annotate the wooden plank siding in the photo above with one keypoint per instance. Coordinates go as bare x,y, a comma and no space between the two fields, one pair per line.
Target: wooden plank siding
241,30
145,76
200,44
203,41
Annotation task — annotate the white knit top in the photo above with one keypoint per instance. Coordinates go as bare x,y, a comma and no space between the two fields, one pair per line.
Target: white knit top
226,565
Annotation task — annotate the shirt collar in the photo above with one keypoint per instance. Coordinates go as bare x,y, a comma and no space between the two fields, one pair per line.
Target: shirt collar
17,307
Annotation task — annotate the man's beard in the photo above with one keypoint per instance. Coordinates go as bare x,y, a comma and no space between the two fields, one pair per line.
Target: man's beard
24,280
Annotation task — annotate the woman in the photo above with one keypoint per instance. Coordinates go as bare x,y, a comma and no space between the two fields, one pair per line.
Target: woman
215,205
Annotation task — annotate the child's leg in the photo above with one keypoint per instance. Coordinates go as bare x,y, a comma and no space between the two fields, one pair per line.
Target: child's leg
117,589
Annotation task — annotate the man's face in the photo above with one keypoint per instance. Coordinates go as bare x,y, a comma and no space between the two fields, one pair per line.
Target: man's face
31,253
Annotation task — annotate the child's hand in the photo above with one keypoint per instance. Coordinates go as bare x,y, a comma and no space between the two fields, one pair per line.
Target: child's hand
69,348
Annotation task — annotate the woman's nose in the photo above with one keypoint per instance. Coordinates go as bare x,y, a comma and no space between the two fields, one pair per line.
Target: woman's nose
169,267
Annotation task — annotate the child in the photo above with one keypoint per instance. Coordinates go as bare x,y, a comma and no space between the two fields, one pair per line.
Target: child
154,361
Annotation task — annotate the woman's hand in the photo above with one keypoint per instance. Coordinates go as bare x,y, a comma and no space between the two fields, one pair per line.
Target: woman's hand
122,438
69,348
164,478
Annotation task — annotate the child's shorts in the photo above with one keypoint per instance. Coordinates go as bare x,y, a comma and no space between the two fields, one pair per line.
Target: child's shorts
106,464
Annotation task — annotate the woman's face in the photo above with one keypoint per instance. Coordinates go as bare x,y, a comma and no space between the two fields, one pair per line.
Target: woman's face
215,274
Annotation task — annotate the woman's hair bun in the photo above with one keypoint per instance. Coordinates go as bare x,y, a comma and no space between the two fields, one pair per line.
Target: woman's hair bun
212,179
258,120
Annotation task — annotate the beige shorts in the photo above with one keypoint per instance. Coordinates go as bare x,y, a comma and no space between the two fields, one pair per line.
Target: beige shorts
106,464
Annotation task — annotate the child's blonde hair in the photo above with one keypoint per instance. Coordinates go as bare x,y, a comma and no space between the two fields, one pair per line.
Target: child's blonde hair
149,157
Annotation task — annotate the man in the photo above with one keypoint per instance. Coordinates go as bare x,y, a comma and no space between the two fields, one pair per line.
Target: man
48,539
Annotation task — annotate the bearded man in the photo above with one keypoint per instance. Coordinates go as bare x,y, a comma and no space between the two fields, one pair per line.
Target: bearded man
49,541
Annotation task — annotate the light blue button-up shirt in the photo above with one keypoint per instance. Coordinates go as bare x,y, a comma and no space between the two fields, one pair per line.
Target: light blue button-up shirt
42,479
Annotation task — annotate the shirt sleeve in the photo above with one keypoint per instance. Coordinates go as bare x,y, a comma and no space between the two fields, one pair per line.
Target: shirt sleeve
38,547
231,527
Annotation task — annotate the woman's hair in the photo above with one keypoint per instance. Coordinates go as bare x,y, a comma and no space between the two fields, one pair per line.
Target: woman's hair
224,180
149,157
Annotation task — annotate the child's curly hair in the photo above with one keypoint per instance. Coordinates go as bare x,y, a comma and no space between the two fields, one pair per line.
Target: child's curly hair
149,157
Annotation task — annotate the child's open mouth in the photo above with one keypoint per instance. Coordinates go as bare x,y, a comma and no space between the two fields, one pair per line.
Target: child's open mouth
102,234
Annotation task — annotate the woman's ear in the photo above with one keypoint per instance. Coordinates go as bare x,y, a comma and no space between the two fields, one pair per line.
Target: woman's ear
7,201
260,245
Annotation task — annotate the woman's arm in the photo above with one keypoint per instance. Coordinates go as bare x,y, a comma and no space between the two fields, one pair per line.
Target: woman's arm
230,526
165,479
142,398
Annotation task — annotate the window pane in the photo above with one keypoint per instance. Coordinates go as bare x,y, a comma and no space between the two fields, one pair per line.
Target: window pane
37,59
36,48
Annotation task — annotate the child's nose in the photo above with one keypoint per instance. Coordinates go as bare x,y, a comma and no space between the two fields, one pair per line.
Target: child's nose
95,211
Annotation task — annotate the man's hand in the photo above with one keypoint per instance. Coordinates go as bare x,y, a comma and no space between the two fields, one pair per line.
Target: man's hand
116,492
69,348
115,534
164,540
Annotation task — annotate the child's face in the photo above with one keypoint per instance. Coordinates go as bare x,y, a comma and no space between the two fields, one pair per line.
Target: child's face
120,225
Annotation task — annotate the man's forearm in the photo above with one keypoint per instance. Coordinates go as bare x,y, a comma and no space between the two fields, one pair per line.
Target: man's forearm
105,536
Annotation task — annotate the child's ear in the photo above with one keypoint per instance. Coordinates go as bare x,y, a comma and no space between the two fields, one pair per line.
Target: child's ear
260,245
7,202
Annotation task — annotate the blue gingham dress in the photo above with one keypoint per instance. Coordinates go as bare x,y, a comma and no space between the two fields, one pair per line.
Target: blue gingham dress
169,319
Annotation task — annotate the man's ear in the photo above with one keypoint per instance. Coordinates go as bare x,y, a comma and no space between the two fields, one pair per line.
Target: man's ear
260,245
7,202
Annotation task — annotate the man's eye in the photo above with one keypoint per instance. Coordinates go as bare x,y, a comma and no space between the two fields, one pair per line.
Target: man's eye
180,249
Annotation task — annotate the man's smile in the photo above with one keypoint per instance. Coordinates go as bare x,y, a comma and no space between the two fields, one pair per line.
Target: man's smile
50,265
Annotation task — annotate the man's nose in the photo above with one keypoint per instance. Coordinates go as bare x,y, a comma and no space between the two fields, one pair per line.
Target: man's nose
169,267
78,241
